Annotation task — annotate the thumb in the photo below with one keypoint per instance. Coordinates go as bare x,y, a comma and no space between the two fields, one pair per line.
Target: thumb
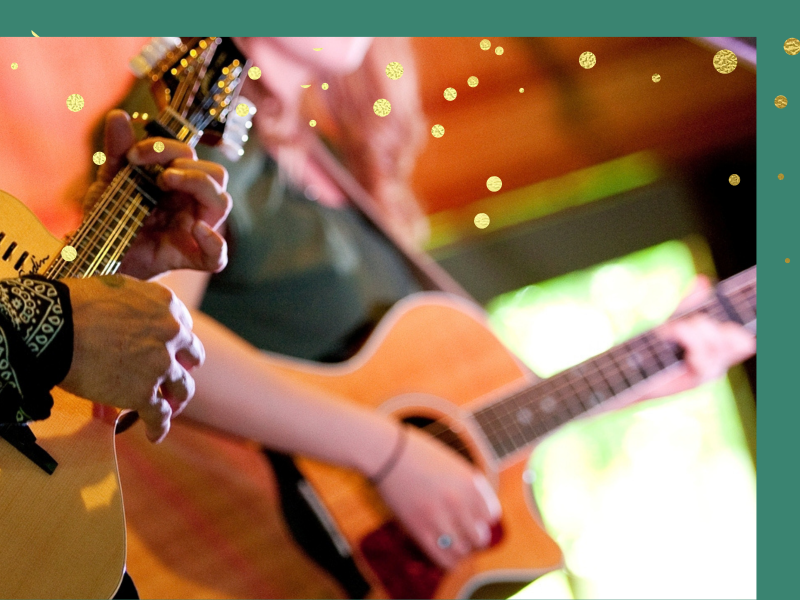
119,137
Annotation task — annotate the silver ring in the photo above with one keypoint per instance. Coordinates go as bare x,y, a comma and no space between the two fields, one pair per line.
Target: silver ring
444,541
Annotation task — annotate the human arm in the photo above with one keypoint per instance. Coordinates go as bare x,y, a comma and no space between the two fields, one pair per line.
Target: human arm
133,348
110,339
430,488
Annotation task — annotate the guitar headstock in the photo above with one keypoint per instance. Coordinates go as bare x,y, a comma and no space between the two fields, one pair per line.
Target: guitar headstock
197,81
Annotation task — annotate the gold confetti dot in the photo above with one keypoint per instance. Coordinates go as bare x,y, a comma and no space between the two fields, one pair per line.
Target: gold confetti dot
394,70
725,61
494,183
68,253
472,81
498,50
485,44
98,158
75,102
521,90
780,176
437,131
14,66
305,85
242,109
382,107
781,101
734,179
481,220
316,49
791,46
787,260
450,94
254,73
587,60
158,147
656,77
324,86
313,123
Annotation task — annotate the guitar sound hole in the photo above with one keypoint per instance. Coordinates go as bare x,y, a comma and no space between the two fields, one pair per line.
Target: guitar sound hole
443,433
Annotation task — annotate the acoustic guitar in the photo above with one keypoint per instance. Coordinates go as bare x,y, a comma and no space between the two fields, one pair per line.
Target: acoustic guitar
62,526
434,363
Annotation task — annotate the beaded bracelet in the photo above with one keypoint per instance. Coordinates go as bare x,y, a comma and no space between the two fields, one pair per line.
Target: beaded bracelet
393,458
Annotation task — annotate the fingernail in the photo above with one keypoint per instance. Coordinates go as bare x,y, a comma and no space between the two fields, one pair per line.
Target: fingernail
174,176
202,228
484,533
133,156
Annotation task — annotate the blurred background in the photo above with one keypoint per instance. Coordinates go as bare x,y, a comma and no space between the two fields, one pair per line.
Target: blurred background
615,194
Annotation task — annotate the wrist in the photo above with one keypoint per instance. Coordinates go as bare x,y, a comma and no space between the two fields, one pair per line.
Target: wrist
390,463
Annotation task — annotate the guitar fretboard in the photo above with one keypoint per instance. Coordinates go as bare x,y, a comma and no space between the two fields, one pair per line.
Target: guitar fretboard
109,230
515,422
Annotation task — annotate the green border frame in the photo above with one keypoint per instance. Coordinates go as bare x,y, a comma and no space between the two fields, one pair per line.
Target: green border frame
778,204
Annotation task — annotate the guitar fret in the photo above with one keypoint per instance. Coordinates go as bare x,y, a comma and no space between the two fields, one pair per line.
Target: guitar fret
600,389
599,376
619,357
592,396
578,387
563,392
499,442
612,374
515,434
630,367
547,402
644,357
514,422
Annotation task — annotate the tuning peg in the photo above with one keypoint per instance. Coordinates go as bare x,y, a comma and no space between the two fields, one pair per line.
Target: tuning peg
237,130
151,54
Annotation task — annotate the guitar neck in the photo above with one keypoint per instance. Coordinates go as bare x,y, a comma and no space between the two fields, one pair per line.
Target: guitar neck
515,422
108,232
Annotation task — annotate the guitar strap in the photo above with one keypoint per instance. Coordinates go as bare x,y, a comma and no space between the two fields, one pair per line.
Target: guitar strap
430,275
22,438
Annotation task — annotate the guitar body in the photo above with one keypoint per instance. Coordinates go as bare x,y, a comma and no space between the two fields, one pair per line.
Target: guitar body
432,357
63,535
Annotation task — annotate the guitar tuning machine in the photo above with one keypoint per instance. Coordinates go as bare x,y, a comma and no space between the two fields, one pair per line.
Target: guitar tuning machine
155,51
237,131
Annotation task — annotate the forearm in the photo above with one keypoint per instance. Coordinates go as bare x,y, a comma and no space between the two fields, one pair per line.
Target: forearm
238,390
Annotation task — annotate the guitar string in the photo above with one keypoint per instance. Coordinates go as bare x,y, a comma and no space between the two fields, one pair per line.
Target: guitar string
88,228
121,214
112,208
122,196
109,210
521,396
60,263
491,424
559,388
491,420
125,242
